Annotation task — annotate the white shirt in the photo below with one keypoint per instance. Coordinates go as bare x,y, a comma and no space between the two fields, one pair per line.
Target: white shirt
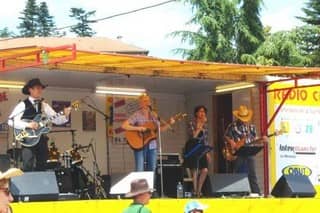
19,110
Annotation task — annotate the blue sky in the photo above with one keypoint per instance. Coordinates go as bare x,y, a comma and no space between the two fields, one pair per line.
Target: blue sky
148,29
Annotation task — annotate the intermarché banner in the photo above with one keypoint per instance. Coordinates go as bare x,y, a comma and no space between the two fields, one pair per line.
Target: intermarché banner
297,150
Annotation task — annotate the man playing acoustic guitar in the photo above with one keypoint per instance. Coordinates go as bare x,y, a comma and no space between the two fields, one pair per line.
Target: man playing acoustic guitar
147,152
238,131
35,157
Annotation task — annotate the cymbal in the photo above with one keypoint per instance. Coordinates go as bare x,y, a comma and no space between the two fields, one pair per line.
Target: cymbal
62,130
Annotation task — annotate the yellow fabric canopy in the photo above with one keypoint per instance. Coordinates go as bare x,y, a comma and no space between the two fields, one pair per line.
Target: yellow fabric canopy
150,66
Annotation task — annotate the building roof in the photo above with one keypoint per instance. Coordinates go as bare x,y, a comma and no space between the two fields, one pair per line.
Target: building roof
93,44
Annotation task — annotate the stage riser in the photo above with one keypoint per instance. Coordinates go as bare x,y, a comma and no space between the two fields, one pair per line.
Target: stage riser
173,205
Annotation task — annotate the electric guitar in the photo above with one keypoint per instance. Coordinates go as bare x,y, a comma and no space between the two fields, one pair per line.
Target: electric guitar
229,152
30,137
137,139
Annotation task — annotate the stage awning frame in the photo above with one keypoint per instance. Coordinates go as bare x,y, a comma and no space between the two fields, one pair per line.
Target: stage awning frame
84,61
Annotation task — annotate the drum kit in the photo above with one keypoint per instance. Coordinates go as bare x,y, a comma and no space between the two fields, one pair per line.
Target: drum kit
72,176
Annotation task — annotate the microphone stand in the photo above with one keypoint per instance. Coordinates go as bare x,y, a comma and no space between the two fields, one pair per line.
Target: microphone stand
106,119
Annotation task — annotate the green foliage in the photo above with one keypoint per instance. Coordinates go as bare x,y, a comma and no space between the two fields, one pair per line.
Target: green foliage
6,33
228,28
249,28
281,48
82,28
312,13
46,23
28,25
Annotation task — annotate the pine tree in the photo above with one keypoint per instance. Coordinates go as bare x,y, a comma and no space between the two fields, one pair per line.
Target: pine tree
250,33
214,39
5,33
82,28
46,23
312,12
312,36
28,26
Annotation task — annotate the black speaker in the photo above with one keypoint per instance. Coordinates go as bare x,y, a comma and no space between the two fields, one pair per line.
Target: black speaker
172,175
35,186
4,162
293,186
229,184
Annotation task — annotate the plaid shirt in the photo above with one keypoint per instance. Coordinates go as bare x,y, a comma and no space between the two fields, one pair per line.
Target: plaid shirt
237,130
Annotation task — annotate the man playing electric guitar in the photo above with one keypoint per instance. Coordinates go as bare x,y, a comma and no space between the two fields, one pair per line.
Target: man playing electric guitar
136,122
235,132
34,158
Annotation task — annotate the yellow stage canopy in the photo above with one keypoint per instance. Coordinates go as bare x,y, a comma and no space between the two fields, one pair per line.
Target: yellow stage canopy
151,66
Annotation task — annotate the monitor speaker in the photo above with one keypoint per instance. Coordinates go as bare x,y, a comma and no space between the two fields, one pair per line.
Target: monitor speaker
229,184
35,186
172,175
293,186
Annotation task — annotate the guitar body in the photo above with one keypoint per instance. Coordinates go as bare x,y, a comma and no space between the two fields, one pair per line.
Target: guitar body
30,137
137,140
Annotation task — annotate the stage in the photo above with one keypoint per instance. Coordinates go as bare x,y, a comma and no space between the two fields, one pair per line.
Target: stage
254,205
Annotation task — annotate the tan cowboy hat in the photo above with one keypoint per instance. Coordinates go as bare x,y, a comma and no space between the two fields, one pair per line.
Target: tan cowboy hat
243,113
13,172
138,186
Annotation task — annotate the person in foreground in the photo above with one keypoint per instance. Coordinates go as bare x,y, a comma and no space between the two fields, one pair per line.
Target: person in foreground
194,207
5,195
141,194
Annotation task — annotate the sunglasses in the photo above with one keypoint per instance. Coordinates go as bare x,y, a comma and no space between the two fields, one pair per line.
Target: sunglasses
6,191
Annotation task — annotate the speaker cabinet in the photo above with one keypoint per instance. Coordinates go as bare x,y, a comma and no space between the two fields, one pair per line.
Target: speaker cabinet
172,175
293,186
229,185
35,186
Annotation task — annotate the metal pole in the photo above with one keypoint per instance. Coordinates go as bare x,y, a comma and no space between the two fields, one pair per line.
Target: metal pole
160,158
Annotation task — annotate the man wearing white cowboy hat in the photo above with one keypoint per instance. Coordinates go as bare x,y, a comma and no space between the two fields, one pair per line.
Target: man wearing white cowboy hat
238,130
5,195
34,158
141,194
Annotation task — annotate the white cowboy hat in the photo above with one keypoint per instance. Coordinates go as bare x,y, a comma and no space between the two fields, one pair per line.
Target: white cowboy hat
243,113
12,172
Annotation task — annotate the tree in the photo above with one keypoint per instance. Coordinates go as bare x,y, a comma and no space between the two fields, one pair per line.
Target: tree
312,12
45,21
82,28
249,30
28,26
5,33
213,40
312,32
228,29
285,48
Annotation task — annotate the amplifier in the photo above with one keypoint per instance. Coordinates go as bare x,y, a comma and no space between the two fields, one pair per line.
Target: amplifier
170,159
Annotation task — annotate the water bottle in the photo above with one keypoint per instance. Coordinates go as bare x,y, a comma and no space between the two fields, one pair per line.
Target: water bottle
179,190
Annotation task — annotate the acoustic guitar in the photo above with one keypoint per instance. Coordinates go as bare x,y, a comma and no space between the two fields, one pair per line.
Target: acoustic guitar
229,152
30,137
137,140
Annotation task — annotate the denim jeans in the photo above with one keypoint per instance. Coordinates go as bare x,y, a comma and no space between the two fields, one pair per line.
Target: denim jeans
242,164
149,156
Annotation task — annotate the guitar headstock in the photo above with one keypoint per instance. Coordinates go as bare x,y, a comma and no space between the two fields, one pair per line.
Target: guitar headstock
278,132
180,116
75,105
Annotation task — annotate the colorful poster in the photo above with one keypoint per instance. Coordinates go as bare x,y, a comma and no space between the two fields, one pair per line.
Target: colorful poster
120,109
297,150
88,120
